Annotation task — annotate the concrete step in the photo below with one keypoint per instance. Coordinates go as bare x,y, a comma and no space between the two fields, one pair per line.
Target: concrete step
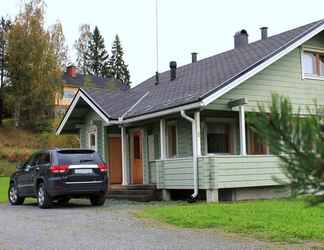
134,192
133,197
133,187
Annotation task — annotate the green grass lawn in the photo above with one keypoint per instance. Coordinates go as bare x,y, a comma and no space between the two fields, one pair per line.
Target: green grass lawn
4,181
280,220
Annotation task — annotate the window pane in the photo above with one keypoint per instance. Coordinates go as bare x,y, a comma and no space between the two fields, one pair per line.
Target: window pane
68,94
92,140
309,63
172,141
321,65
137,147
218,138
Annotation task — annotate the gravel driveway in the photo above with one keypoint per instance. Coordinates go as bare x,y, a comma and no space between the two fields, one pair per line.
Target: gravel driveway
80,226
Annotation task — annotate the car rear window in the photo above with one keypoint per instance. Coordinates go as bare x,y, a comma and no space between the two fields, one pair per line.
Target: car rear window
73,157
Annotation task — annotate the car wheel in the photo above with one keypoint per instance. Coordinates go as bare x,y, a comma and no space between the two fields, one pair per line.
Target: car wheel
98,200
43,199
63,201
13,195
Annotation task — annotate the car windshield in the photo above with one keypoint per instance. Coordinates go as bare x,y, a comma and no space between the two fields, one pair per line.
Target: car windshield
73,157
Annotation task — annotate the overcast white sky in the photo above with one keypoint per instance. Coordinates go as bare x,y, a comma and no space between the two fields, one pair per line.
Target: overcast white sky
204,26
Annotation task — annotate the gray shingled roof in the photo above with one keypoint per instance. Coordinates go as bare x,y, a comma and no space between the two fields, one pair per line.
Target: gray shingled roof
195,80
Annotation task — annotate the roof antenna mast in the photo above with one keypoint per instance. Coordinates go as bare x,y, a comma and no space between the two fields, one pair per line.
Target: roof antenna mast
157,40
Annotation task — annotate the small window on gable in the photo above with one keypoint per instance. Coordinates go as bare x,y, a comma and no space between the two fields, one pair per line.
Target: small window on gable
313,64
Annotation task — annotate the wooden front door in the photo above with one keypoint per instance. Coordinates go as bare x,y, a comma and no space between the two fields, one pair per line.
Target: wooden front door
115,160
137,162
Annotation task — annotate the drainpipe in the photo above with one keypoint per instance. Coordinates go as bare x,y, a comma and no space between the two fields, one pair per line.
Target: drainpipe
194,154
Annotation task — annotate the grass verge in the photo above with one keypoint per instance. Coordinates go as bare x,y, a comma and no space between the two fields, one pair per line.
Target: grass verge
279,220
4,185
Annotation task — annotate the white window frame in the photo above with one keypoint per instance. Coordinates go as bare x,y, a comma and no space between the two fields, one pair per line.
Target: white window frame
314,50
168,123
93,131
233,125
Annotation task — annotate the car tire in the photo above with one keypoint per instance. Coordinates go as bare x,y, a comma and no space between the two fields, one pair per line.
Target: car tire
63,201
98,200
13,195
43,199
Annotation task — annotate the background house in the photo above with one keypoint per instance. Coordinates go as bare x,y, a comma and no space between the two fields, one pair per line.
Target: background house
186,131
72,81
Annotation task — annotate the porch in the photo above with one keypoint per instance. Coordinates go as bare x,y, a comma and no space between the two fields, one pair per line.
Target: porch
209,151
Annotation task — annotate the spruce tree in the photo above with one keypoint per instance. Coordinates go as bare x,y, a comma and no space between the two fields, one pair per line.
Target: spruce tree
97,55
117,67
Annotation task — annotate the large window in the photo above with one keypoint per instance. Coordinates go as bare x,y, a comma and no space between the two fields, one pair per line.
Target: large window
313,64
171,130
219,138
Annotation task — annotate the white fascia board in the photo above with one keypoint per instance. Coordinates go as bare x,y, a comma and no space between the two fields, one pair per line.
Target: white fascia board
158,114
94,107
72,106
260,67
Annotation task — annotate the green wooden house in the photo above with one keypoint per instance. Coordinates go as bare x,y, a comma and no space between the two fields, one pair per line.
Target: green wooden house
184,130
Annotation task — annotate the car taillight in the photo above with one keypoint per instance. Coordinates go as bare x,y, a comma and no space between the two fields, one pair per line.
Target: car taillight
59,169
103,167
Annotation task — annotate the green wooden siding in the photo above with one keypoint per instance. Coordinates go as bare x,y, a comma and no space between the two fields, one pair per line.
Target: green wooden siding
92,119
283,77
177,174
215,172
245,171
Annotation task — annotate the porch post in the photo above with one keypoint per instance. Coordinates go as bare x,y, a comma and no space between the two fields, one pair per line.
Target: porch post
242,130
124,156
162,139
197,121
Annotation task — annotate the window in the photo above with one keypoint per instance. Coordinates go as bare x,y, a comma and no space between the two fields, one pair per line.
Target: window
218,138
313,64
137,147
44,159
92,133
172,140
255,144
68,94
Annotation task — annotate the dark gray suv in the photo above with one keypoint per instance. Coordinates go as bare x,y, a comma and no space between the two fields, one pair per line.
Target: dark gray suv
59,175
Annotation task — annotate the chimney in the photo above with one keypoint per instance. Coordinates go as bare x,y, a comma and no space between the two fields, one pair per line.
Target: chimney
194,57
241,39
71,71
264,33
173,70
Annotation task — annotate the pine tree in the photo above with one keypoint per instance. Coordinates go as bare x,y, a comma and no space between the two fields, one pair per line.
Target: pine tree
97,55
298,140
82,47
117,67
